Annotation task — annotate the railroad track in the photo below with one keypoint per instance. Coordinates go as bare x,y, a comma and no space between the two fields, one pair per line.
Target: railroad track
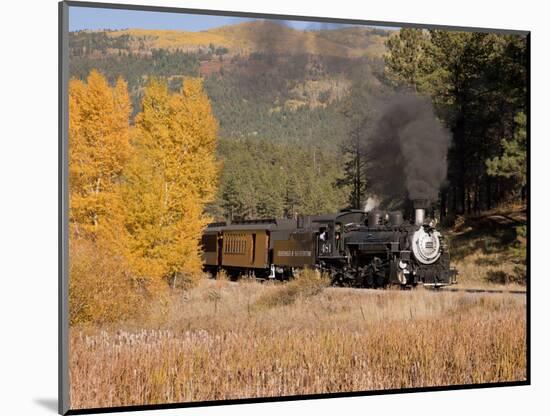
436,290
473,290
433,289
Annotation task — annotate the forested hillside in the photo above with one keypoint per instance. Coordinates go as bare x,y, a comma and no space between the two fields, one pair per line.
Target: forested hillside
298,109
245,38
279,108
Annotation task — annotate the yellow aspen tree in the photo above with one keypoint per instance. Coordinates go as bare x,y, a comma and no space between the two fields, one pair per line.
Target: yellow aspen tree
101,287
172,175
99,147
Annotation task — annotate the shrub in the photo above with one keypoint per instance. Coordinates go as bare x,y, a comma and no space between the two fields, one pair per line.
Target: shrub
101,290
306,284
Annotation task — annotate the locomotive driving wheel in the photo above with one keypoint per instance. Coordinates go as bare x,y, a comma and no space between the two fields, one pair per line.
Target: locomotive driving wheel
374,275
381,280
338,279
369,277
341,278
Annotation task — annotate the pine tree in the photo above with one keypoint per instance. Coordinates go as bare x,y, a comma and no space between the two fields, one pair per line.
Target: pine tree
291,197
407,60
230,199
513,161
477,82
358,113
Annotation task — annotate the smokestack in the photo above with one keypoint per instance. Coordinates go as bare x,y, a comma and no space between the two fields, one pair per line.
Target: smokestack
420,206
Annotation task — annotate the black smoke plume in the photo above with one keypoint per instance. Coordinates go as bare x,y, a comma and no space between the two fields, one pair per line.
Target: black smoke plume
407,150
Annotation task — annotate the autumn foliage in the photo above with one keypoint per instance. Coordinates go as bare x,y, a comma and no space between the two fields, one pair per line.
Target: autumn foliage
170,177
136,193
99,148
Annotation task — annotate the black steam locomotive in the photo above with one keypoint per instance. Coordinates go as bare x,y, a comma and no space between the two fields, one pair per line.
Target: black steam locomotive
357,249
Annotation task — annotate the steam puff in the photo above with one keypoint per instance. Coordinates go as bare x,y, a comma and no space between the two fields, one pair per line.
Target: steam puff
408,149
372,203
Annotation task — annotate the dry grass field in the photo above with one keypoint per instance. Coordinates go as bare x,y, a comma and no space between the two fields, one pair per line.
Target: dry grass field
225,340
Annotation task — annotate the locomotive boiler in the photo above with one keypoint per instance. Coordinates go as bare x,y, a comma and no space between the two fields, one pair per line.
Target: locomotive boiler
355,248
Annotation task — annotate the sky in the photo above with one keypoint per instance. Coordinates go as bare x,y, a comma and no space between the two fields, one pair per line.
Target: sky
95,19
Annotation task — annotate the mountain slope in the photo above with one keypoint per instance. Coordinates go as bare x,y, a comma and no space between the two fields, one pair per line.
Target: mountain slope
262,36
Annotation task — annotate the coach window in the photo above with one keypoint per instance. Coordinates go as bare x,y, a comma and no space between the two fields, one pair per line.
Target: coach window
253,248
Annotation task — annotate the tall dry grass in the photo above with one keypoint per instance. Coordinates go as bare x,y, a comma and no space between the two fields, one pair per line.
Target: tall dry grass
217,343
306,284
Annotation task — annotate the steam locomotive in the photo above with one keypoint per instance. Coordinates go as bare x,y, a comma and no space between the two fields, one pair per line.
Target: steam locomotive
357,249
